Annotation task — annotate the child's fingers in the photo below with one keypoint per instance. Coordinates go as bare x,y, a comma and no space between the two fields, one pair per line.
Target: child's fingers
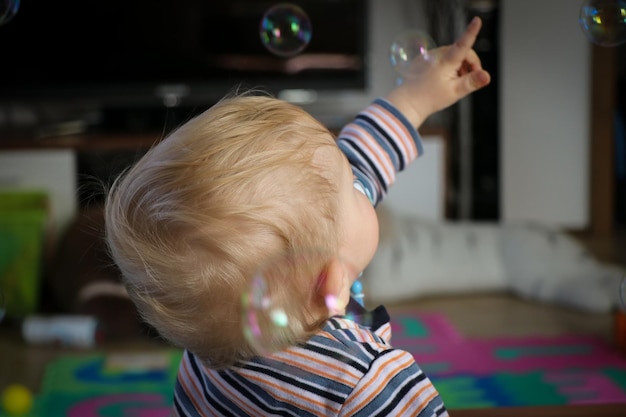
459,50
472,81
470,63
466,68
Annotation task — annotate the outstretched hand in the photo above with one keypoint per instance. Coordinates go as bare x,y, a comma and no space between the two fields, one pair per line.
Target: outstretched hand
450,73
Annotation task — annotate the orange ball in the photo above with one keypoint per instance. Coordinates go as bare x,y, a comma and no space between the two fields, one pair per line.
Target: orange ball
619,330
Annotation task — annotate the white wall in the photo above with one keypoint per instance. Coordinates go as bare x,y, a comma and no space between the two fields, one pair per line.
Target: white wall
420,190
50,170
545,110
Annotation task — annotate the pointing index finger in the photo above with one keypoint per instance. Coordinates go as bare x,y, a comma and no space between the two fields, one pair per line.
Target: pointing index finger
458,50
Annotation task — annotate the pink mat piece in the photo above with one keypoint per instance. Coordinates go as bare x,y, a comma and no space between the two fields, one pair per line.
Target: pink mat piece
580,369
445,345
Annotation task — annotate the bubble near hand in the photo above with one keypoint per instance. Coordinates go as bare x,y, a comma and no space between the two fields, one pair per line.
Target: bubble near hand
285,30
8,10
408,50
604,21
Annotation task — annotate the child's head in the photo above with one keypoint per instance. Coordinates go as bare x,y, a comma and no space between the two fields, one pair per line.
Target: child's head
250,179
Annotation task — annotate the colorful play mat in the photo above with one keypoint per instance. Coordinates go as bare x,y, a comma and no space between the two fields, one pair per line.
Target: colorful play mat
469,373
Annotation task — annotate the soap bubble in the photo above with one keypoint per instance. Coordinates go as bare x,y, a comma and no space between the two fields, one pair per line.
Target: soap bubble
8,10
285,30
266,313
263,321
604,21
410,49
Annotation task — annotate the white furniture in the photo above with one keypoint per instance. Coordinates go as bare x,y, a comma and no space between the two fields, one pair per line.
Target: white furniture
420,190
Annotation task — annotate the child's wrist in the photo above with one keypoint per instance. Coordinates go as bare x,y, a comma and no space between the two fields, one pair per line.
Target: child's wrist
407,106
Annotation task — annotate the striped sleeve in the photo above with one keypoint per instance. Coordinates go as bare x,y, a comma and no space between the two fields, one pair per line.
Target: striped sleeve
394,386
379,143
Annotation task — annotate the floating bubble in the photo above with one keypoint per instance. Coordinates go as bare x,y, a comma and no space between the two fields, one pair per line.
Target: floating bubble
274,306
8,10
409,50
604,21
285,30
257,307
269,316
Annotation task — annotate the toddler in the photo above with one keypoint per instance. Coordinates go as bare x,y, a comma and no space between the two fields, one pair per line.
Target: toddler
254,179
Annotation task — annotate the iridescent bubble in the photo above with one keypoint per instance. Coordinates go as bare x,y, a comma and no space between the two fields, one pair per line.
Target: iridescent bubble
274,303
409,50
332,304
604,21
270,318
8,10
262,319
285,30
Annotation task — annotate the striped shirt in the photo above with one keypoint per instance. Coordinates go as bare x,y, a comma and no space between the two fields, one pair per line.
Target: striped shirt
349,368
379,143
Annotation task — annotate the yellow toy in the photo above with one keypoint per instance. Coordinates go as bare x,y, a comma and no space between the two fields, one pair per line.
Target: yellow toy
17,400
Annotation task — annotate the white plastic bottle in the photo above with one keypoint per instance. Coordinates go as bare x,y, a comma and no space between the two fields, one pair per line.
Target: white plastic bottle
66,330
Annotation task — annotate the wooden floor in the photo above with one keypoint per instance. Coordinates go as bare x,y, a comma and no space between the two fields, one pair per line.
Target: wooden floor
484,315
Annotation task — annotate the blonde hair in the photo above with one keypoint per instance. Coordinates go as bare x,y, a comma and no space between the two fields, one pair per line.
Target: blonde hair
196,217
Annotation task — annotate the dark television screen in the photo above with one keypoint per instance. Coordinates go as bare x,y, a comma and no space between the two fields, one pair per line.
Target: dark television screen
136,52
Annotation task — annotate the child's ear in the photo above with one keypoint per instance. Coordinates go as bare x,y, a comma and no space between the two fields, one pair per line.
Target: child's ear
334,287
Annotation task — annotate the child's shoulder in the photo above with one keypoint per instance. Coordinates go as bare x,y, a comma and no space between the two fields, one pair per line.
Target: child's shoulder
350,337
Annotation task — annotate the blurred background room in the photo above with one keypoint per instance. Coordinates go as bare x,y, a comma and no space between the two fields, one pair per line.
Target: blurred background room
508,235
